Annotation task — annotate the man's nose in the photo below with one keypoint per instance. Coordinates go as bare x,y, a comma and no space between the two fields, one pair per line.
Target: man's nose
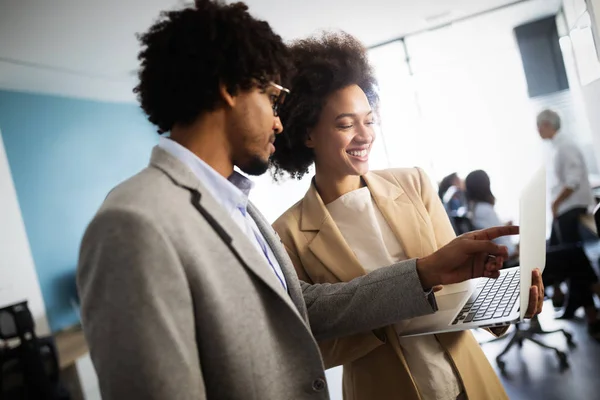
277,126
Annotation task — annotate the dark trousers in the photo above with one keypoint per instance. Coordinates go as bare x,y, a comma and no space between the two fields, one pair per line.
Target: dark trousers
565,228
566,260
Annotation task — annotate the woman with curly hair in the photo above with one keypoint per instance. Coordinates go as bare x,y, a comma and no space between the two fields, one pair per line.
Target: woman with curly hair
352,221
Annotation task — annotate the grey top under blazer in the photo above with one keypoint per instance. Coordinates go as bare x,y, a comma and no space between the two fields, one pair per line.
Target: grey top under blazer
171,312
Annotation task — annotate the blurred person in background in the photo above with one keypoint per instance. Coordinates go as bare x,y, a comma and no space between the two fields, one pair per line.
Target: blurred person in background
481,203
452,193
570,190
571,198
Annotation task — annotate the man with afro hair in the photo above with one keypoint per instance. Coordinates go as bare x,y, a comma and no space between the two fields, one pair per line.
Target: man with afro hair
186,291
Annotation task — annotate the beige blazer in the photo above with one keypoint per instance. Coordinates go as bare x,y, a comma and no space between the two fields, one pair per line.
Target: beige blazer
374,368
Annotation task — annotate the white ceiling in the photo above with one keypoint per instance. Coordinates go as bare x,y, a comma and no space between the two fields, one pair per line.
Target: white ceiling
88,48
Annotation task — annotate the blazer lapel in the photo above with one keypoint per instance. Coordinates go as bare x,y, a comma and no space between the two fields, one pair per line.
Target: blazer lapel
274,242
405,222
399,212
223,224
328,245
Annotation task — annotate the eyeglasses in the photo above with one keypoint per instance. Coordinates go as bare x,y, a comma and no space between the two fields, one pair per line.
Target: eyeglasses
279,98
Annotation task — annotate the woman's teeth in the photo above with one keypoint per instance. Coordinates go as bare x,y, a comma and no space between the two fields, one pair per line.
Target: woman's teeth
358,153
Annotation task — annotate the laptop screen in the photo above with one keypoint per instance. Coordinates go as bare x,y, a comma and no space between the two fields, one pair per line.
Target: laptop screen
532,222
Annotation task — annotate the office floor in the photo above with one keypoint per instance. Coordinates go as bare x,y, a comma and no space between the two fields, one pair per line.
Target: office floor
534,373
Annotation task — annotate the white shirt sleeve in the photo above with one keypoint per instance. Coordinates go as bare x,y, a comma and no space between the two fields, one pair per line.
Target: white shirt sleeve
484,216
569,166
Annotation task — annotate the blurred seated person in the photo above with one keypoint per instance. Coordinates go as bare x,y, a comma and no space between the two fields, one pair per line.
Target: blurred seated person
452,193
481,202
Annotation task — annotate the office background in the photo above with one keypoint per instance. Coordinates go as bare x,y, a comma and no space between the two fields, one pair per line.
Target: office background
454,98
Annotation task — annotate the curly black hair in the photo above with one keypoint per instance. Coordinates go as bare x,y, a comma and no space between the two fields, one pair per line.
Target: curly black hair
189,52
321,66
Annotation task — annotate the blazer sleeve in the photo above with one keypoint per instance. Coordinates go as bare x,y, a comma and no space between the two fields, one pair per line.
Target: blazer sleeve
339,351
138,325
382,297
369,302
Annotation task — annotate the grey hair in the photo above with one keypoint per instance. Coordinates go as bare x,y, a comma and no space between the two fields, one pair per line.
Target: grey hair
550,117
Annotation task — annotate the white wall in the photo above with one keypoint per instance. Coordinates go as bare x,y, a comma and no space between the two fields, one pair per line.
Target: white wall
591,97
591,91
588,90
594,9
274,198
18,277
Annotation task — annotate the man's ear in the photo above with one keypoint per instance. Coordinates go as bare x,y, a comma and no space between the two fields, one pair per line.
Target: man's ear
226,95
309,142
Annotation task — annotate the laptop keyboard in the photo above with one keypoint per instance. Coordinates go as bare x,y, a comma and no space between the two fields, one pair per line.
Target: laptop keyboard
493,298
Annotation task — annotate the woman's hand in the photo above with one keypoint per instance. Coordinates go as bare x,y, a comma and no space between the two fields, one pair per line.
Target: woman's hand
536,294
471,255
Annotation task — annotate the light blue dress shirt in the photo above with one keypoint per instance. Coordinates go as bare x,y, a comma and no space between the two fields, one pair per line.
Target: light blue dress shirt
232,194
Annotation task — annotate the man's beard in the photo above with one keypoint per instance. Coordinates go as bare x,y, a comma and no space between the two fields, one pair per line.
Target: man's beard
255,166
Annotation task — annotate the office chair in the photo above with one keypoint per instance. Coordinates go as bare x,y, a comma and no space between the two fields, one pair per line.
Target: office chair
28,365
535,329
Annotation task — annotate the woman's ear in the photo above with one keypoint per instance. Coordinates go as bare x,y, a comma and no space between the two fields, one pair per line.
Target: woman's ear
309,142
226,95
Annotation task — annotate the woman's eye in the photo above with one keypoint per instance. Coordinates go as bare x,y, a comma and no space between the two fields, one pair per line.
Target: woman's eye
345,126
369,123
273,98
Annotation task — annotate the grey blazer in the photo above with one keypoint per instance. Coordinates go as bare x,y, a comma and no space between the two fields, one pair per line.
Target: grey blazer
177,303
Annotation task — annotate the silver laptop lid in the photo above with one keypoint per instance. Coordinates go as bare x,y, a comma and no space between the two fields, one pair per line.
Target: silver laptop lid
532,222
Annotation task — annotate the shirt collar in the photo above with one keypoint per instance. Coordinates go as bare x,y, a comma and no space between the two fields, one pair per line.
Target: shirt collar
232,192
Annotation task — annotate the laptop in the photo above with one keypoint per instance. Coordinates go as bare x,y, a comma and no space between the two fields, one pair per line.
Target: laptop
485,302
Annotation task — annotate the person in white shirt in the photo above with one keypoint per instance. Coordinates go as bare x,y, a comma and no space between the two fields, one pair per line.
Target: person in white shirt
571,192
481,203
571,197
